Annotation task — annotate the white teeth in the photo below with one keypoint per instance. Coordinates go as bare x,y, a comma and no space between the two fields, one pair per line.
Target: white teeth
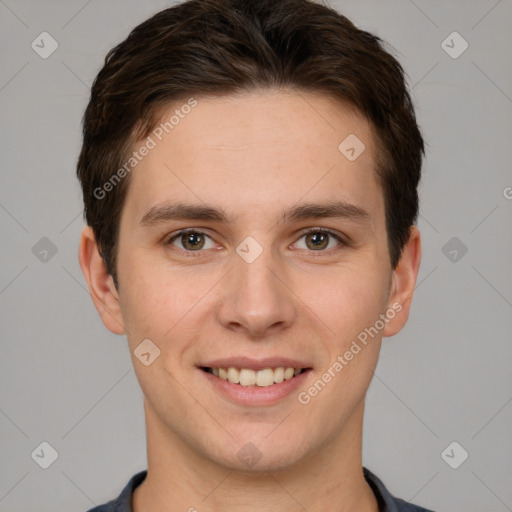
233,375
262,378
288,373
265,377
279,375
247,377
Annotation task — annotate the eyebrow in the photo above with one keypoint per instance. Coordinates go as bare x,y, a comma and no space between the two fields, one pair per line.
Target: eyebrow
181,211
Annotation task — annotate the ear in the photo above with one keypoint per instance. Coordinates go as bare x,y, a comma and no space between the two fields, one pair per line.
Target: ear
100,282
403,282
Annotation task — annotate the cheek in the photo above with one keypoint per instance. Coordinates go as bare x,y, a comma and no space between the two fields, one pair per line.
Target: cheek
345,299
159,302
147,304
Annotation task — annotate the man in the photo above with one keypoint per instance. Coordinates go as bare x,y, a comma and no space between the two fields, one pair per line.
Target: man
250,174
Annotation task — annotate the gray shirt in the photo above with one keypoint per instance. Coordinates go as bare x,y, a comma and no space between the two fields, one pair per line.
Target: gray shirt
387,502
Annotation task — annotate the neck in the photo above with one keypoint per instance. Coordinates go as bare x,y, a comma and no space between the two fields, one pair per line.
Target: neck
181,479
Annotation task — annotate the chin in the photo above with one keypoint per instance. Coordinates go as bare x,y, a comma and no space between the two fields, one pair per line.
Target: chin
259,453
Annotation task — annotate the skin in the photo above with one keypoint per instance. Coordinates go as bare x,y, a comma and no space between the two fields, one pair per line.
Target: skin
254,155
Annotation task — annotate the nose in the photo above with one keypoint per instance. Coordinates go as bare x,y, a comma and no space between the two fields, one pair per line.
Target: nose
256,299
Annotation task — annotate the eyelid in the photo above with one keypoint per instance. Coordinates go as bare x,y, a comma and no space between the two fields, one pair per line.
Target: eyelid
319,229
176,235
173,236
168,238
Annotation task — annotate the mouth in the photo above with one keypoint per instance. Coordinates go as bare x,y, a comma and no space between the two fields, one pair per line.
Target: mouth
247,377
255,382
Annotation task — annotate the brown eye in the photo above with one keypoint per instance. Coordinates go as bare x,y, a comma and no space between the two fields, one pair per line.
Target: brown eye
191,241
317,240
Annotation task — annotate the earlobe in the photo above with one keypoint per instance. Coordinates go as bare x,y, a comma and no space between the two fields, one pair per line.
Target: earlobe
403,283
101,285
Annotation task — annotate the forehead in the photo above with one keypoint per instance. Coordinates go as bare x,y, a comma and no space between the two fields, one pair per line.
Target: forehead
244,151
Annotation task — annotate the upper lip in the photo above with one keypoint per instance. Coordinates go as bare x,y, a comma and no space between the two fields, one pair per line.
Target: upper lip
255,364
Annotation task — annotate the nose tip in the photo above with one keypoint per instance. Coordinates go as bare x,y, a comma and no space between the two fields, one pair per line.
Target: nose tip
254,299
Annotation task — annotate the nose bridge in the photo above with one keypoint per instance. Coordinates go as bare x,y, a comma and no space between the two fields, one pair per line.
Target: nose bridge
254,298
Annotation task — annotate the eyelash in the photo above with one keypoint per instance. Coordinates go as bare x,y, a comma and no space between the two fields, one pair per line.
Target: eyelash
186,253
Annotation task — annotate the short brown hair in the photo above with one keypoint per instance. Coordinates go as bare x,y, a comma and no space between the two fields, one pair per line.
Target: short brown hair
211,47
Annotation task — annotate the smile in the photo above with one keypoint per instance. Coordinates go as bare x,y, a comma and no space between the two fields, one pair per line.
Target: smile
248,377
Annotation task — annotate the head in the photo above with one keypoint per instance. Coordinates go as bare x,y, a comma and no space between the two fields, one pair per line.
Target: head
247,124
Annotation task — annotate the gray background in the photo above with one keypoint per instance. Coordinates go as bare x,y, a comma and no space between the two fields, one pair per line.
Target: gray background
446,377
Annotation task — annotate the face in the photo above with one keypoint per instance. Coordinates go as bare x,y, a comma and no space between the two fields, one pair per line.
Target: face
248,240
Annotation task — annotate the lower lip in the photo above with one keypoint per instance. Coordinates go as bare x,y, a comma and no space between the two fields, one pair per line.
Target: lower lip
255,395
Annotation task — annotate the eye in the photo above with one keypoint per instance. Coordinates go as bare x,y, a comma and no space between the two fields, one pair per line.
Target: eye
321,240
315,240
191,241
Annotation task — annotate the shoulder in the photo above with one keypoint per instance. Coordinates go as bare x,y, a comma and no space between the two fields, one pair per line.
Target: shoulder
405,506
387,502
123,502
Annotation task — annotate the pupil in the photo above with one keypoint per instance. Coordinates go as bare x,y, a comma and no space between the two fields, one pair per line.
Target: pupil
192,240
318,239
